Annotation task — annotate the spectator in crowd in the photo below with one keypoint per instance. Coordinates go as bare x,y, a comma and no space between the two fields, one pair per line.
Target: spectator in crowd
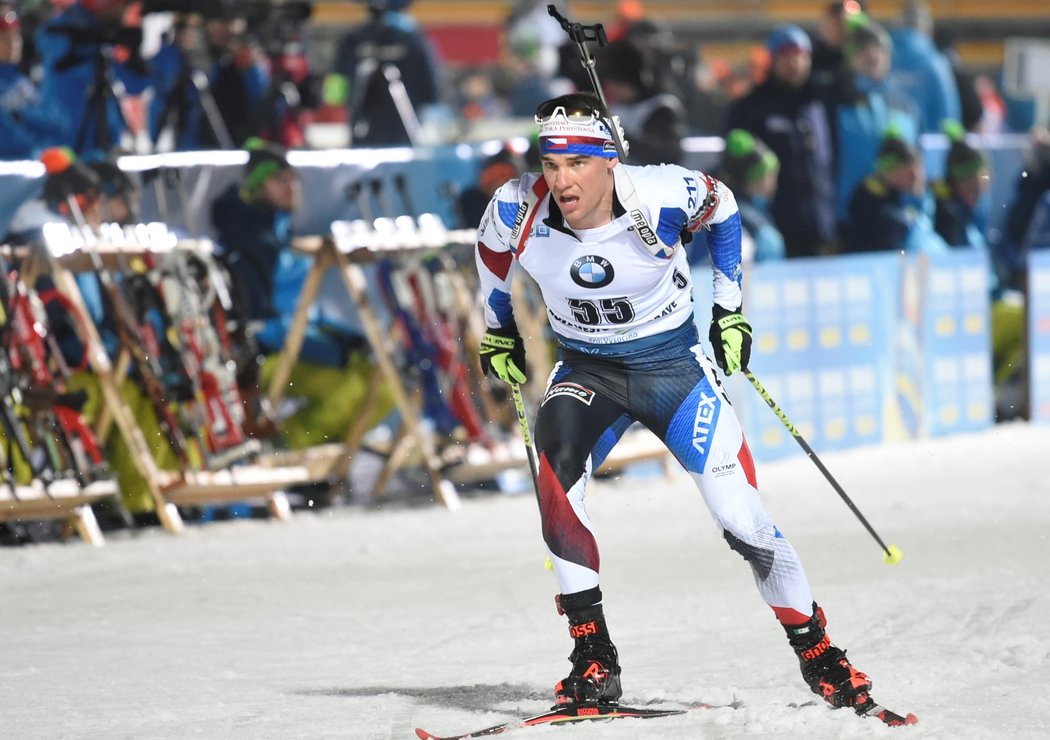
531,60
1028,211
921,70
120,194
252,219
971,106
84,194
395,76
874,106
29,122
238,75
887,210
958,219
653,120
830,71
532,38
176,105
78,48
502,166
750,170
786,114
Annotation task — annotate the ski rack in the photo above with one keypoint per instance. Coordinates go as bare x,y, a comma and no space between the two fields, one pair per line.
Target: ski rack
349,246
67,496
63,499
62,256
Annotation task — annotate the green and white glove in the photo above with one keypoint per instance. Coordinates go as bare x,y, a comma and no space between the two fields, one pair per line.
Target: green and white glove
503,354
730,339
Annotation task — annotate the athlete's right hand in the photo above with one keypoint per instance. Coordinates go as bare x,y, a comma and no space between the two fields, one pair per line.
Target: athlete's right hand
503,354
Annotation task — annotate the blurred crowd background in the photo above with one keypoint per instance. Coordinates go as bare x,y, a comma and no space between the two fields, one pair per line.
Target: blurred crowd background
829,99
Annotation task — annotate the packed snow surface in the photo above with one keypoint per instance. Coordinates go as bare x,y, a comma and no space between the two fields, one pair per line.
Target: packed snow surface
367,621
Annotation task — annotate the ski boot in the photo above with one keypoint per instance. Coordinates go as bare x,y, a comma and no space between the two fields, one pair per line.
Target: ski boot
595,675
825,667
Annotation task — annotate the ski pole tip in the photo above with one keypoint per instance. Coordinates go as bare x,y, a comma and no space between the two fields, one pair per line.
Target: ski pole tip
893,555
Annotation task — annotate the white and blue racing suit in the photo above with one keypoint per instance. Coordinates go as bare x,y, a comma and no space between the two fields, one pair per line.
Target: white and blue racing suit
629,351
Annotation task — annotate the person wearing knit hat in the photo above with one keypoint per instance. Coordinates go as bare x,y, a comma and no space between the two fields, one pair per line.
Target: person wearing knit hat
252,220
788,115
750,170
268,177
875,104
72,189
966,178
887,211
253,235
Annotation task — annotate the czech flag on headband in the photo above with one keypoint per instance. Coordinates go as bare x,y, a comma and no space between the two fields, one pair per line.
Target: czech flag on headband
590,146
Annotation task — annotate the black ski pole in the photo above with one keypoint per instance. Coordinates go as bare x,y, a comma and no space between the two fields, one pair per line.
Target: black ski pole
526,435
893,554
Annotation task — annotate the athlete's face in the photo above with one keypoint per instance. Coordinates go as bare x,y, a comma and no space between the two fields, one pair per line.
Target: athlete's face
582,187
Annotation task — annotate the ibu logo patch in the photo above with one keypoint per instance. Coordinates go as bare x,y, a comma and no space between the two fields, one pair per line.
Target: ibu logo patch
592,272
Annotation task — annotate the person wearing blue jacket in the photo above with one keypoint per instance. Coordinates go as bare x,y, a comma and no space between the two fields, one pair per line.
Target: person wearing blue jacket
888,210
29,122
750,170
959,219
922,71
253,226
873,106
74,46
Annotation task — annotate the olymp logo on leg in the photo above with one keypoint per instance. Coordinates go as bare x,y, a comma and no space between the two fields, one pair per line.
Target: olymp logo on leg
724,463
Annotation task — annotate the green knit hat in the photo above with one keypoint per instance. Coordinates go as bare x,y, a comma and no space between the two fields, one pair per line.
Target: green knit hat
747,159
894,151
264,161
963,160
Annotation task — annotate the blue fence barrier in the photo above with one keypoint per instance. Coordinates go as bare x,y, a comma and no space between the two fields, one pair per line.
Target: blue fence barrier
1039,335
864,349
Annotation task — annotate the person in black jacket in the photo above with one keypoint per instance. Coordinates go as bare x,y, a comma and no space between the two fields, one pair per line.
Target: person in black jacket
786,113
887,212
394,76
653,120
966,174
253,226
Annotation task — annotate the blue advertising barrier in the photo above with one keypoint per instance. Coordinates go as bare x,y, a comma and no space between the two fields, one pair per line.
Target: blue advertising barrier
955,342
1039,335
863,349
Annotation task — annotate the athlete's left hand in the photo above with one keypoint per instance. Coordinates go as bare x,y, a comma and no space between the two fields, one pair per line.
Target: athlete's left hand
730,337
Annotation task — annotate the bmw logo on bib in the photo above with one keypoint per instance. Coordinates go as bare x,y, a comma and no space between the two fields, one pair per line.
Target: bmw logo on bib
592,272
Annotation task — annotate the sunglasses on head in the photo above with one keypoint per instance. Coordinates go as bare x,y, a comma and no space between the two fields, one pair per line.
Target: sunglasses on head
578,112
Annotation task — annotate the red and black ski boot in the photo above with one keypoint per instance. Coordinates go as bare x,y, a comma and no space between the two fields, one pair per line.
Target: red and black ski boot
825,667
595,674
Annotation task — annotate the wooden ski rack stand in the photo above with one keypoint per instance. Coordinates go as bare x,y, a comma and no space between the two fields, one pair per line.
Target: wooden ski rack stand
62,499
169,489
342,253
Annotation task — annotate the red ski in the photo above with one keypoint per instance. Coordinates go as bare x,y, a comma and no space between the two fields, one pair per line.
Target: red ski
567,715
